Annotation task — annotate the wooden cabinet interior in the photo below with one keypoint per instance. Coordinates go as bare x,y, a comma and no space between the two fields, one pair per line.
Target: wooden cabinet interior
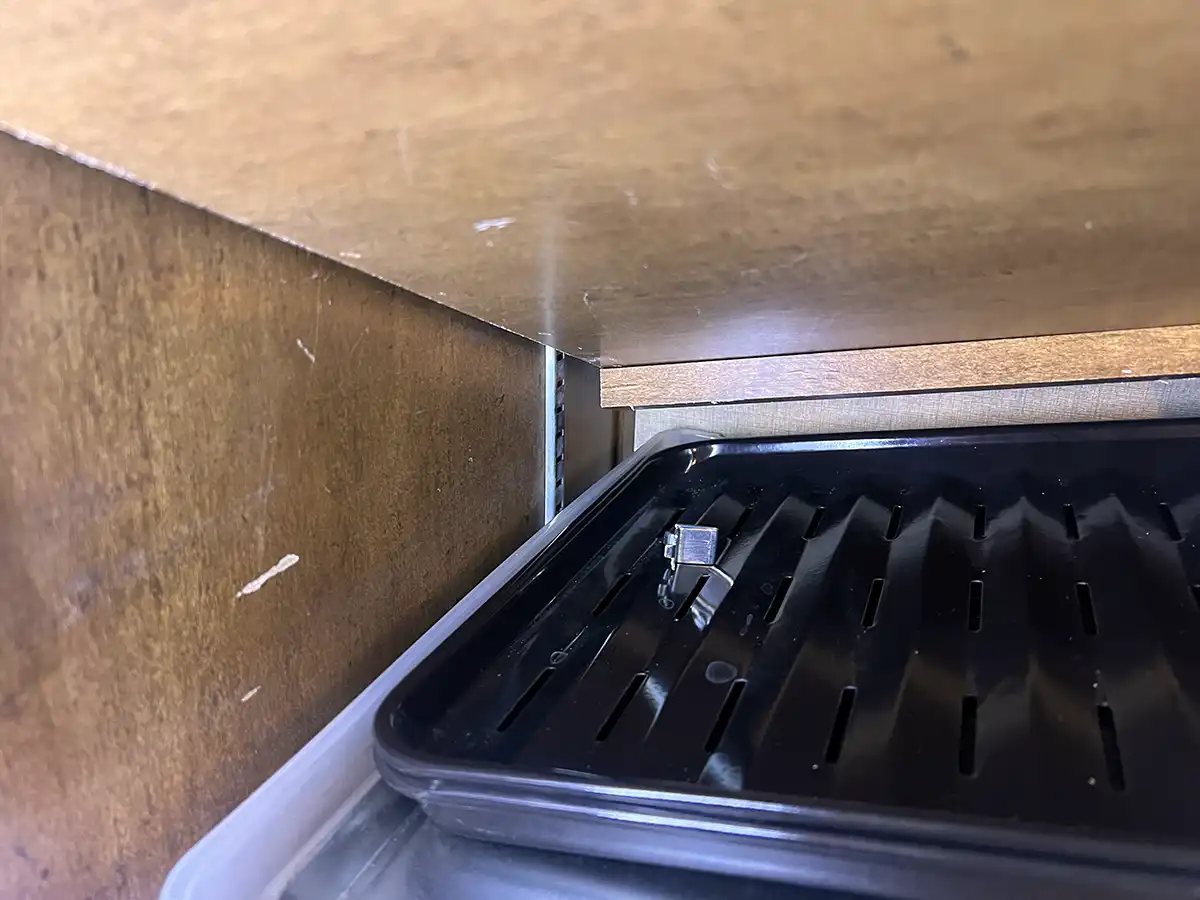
236,481
1130,355
669,182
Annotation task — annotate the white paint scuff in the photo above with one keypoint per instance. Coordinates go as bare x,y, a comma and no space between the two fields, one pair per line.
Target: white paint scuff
282,566
350,254
250,693
498,224
305,351
717,171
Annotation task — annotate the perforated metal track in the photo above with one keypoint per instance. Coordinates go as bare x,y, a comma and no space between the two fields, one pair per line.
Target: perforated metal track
1005,627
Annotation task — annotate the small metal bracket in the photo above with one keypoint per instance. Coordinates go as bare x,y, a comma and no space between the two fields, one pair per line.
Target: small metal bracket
694,545
691,545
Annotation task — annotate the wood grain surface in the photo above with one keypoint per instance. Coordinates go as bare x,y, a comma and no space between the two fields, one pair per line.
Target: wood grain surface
653,182
1054,359
184,403
1048,404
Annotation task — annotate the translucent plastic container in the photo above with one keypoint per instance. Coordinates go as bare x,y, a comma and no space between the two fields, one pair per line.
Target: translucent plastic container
257,849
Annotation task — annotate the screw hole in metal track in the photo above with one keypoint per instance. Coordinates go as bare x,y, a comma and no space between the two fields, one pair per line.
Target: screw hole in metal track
526,698
740,523
726,713
841,721
611,594
814,523
610,723
1169,523
1087,612
1112,752
975,606
691,598
1072,524
777,599
895,524
871,612
966,735
980,531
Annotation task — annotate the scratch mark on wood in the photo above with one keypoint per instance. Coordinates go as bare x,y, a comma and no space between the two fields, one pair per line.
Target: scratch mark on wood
283,565
498,224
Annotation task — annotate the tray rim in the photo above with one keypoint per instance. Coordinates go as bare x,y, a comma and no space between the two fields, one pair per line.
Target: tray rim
436,781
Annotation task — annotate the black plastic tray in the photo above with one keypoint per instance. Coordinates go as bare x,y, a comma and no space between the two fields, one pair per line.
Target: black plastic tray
965,661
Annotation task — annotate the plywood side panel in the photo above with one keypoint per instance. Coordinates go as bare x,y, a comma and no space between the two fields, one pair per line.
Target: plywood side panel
1110,401
1056,359
184,404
